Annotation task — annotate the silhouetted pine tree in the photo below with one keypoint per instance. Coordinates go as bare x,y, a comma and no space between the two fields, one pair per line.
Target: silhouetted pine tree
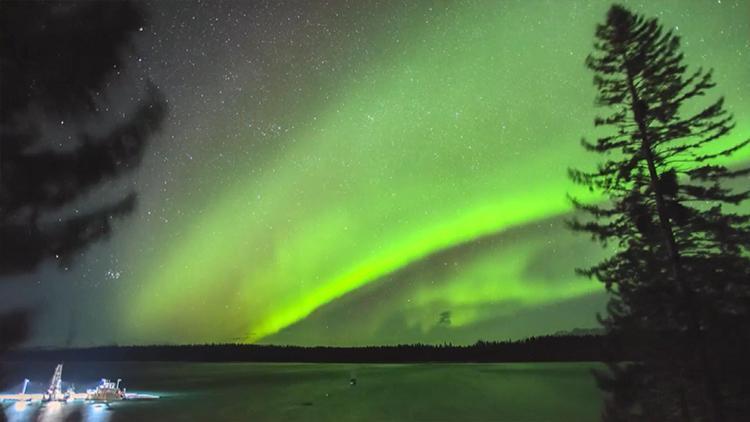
680,275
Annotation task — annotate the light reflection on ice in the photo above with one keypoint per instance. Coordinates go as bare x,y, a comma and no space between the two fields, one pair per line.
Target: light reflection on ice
57,411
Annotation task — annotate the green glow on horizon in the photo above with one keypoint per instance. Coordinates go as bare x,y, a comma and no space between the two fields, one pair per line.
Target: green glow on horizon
453,131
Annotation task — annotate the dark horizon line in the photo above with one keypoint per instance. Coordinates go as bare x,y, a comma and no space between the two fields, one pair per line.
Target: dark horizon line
566,333
317,346
548,348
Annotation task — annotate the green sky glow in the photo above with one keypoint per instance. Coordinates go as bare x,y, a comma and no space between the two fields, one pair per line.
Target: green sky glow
443,128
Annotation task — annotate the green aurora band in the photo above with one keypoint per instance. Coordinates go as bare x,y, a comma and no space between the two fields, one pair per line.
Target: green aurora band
459,123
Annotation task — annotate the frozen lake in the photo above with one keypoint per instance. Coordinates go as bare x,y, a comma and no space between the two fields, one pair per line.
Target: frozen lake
310,392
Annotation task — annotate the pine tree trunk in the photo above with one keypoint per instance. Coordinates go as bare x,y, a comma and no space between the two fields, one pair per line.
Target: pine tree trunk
674,254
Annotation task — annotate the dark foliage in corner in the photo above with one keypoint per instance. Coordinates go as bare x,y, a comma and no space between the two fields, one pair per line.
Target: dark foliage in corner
58,62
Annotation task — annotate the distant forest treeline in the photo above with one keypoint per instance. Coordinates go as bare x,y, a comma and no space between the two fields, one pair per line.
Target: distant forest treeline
553,348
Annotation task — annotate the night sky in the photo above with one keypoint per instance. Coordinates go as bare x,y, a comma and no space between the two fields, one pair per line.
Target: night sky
360,172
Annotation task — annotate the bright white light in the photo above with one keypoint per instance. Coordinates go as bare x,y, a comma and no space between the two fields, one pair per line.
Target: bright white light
54,406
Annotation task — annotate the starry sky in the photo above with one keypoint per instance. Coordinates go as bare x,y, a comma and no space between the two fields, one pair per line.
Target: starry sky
368,172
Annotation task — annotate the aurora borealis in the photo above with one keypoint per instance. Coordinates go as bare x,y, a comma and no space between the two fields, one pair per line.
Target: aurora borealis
347,173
